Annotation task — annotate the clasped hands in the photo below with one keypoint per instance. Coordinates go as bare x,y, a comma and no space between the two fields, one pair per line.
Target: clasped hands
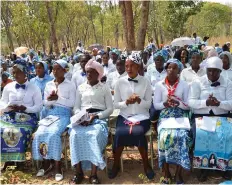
92,117
133,99
171,102
212,101
17,108
53,96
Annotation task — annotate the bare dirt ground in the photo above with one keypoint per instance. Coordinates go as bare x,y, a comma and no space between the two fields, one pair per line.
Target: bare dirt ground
133,172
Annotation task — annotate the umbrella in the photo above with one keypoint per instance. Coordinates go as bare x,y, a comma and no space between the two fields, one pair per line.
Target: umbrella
21,50
98,46
182,41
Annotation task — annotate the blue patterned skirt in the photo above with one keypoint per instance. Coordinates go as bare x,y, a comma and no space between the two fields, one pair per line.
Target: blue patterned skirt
87,144
47,140
174,144
16,130
213,150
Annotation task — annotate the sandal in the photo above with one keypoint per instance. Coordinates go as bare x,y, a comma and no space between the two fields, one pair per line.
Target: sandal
93,179
77,179
165,180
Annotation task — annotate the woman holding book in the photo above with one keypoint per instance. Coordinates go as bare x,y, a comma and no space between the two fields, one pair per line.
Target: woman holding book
170,97
211,100
88,140
132,96
59,99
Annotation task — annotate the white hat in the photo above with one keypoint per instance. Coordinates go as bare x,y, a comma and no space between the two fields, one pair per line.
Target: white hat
214,62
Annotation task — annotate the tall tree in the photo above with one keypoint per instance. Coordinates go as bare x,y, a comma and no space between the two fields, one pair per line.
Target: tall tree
143,25
6,18
128,24
52,17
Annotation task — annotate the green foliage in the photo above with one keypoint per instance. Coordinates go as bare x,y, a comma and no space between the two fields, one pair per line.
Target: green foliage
211,20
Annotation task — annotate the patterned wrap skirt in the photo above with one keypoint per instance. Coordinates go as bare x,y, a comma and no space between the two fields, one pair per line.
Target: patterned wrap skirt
213,150
87,144
137,137
174,144
47,140
16,130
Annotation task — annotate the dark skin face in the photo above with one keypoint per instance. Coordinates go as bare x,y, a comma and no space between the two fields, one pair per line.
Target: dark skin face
4,78
213,74
159,63
183,56
95,52
114,57
196,60
92,76
83,62
105,59
194,35
4,66
120,66
145,57
58,72
226,62
132,68
39,69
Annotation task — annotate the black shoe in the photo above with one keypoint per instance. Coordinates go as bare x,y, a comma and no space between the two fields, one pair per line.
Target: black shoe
112,175
203,176
77,179
93,179
150,175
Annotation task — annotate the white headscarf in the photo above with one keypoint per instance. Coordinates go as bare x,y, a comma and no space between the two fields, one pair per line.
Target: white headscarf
214,62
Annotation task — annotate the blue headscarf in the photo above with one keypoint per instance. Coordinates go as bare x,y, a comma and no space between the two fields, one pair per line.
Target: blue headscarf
163,53
22,66
62,63
174,61
45,65
6,74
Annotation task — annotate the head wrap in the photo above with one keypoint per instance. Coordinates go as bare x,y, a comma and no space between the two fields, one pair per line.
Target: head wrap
214,62
6,74
114,50
62,63
228,55
163,53
219,50
98,57
95,65
135,57
22,66
45,65
174,61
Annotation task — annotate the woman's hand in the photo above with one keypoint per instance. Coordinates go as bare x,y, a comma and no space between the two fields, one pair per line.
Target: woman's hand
16,108
92,117
174,103
212,101
53,96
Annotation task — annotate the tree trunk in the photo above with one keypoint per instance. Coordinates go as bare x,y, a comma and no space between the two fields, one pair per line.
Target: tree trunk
91,19
143,25
9,39
161,34
128,24
53,28
116,35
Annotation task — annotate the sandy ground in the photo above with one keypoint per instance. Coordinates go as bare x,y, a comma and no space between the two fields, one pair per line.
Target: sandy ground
133,172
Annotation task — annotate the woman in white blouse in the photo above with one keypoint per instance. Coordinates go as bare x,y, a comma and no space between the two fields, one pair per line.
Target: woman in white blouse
133,97
20,101
59,99
227,65
211,100
170,97
88,140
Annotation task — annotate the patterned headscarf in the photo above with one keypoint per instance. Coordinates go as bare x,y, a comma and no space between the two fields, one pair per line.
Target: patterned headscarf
62,63
114,50
97,66
135,57
163,53
174,61
22,66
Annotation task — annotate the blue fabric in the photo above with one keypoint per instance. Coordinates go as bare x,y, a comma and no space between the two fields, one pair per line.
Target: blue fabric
41,83
175,61
16,130
163,53
174,144
226,182
45,67
47,141
87,144
62,63
214,145
136,138
17,86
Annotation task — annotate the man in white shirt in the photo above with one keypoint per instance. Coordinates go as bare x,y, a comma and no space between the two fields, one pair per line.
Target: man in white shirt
196,39
114,76
195,71
79,77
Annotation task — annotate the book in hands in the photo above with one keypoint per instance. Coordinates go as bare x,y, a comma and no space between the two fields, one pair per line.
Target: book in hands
79,118
48,120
